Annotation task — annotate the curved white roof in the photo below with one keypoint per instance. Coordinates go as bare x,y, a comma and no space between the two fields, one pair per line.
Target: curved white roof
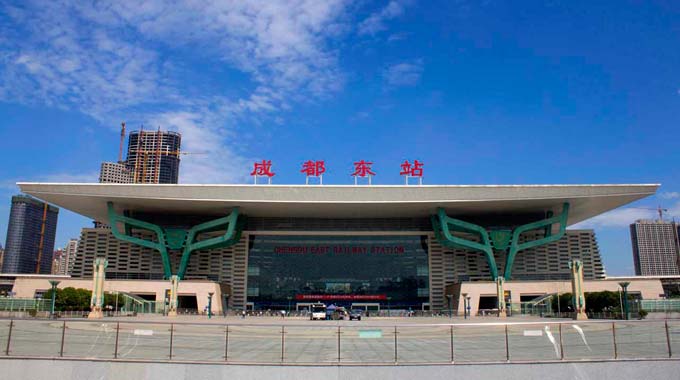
329,201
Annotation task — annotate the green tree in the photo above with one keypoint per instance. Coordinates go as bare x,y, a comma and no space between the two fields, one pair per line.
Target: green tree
70,299
596,302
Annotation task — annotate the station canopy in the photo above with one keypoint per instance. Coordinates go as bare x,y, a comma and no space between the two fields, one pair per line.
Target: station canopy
332,201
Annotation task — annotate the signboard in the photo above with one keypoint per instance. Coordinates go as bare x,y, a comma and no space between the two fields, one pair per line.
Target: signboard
340,249
340,297
316,169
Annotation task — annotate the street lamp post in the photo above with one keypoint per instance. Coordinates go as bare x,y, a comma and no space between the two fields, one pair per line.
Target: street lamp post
210,304
465,305
116,309
450,297
54,284
388,306
289,299
469,307
624,286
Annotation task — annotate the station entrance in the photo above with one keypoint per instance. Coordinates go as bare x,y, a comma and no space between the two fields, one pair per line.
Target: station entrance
386,271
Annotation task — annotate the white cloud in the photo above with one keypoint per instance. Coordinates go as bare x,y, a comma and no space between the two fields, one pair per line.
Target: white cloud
122,60
376,21
616,218
403,74
211,158
669,195
623,217
10,185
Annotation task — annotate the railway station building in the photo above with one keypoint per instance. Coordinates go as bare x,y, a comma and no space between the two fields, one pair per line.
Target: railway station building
286,246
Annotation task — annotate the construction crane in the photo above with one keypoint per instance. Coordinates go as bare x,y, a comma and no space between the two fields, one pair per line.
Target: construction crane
122,142
658,209
140,167
144,158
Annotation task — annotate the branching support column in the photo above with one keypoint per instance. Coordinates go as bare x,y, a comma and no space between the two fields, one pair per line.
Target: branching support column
497,240
175,239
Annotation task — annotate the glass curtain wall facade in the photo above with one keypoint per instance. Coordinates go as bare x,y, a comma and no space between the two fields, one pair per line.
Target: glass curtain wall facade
343,270
30,236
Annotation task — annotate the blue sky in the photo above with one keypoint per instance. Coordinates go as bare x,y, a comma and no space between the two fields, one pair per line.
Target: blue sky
482,92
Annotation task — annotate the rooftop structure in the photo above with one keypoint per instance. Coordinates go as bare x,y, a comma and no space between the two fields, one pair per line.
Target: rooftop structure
377,243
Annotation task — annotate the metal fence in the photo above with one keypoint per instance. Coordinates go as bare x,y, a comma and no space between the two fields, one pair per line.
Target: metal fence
340,344
660,306
23,304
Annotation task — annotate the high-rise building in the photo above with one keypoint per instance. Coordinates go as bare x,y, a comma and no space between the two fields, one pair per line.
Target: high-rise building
30,236
115,172
56,261
2,256
69,256
656,249
153,157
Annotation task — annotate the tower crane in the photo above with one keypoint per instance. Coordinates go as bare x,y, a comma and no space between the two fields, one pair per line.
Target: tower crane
658,210
122,142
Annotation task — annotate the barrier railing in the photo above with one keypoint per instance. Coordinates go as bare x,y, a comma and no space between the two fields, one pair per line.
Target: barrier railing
340,344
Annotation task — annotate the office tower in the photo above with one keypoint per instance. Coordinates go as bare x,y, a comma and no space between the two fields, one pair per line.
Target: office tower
655,247
115,172
30,236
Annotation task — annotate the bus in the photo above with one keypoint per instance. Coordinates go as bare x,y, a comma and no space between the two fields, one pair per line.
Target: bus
318,311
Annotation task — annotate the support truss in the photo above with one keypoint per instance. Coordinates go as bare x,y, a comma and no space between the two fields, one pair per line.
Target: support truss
174,238
444,227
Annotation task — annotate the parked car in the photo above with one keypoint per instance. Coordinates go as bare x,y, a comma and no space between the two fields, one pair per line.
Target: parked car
339,313
355,314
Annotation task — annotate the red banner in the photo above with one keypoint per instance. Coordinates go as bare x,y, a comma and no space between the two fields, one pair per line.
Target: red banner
340,297
340,249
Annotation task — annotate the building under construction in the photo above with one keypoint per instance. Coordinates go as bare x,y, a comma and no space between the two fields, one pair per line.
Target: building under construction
152,157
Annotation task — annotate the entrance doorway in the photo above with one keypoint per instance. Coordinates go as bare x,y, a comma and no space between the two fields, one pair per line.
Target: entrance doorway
366,306
187,304
487,304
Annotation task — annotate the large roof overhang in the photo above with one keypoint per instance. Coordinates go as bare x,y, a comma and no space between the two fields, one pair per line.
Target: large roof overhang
90,199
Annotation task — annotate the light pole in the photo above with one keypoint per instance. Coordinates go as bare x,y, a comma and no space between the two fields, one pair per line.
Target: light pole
624,286
450,297
289,299
465,304
116,309
468,306
54,284
388,306
210,304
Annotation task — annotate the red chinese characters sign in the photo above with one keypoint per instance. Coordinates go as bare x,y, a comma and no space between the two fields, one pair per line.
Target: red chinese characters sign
263,169
313,168
362,169
412,170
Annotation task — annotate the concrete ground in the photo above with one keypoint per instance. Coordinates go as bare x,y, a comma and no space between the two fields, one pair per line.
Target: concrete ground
374,340
379,321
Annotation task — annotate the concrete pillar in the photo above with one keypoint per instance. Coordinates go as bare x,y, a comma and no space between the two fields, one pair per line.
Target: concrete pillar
174,285
577,295
500,294
97,300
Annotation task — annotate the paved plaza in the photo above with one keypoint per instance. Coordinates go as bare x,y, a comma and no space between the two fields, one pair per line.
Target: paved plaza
375,340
